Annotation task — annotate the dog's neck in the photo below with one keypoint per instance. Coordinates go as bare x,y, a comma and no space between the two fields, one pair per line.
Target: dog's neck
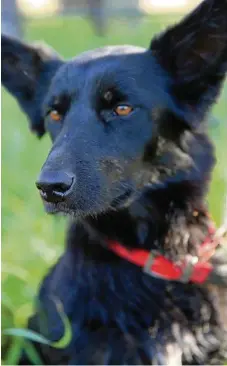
172,220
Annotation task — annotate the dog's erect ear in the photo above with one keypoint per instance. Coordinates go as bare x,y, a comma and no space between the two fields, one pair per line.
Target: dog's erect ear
194,52
26,73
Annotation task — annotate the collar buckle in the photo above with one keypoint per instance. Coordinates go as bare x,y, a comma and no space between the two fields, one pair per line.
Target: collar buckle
188,268
148,264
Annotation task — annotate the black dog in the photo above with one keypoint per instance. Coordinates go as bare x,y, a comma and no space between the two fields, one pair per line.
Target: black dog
131,162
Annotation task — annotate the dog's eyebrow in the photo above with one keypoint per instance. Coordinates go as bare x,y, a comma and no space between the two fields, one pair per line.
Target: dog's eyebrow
61,102
108,96
122,82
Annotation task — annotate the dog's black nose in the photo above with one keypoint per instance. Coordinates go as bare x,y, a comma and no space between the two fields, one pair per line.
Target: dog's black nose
54,186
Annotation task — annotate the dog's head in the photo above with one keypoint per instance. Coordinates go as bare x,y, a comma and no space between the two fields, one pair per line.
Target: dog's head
122,118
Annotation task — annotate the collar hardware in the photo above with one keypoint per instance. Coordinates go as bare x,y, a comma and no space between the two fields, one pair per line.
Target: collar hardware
195,269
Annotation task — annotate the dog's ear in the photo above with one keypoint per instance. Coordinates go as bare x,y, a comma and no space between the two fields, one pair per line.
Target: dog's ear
194,53
26,73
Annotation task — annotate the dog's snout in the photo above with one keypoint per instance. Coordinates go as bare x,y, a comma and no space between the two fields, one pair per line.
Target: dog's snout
55,186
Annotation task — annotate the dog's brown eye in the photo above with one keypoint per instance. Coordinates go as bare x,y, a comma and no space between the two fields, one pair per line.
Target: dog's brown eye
55,115
123,110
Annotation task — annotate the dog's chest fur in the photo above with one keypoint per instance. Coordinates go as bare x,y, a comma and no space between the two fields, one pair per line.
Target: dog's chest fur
119,315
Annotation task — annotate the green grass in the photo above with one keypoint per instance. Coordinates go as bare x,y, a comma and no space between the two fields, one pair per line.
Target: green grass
31,240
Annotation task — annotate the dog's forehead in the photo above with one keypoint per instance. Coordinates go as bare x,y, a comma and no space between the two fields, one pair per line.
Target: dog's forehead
99,64
126,68
107,51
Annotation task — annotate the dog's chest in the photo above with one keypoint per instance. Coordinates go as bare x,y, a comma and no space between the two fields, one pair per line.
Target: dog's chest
120,315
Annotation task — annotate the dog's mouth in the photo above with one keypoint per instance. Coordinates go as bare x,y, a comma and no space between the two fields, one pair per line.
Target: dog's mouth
53,208
63,209
121,201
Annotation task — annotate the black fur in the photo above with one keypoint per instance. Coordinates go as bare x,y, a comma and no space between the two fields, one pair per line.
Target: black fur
137,179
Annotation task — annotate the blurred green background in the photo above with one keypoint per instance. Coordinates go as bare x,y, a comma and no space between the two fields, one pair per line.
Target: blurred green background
32,240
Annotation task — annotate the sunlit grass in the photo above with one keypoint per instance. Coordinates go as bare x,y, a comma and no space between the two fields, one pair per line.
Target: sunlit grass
31,240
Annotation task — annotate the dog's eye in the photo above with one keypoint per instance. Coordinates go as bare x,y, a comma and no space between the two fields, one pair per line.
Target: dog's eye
55,115
123,110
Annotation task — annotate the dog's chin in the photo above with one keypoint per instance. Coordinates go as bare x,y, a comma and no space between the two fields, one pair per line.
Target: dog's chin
65,210
120,202
56,208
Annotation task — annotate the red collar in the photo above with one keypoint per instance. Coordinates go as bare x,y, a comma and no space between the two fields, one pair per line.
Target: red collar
192,269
